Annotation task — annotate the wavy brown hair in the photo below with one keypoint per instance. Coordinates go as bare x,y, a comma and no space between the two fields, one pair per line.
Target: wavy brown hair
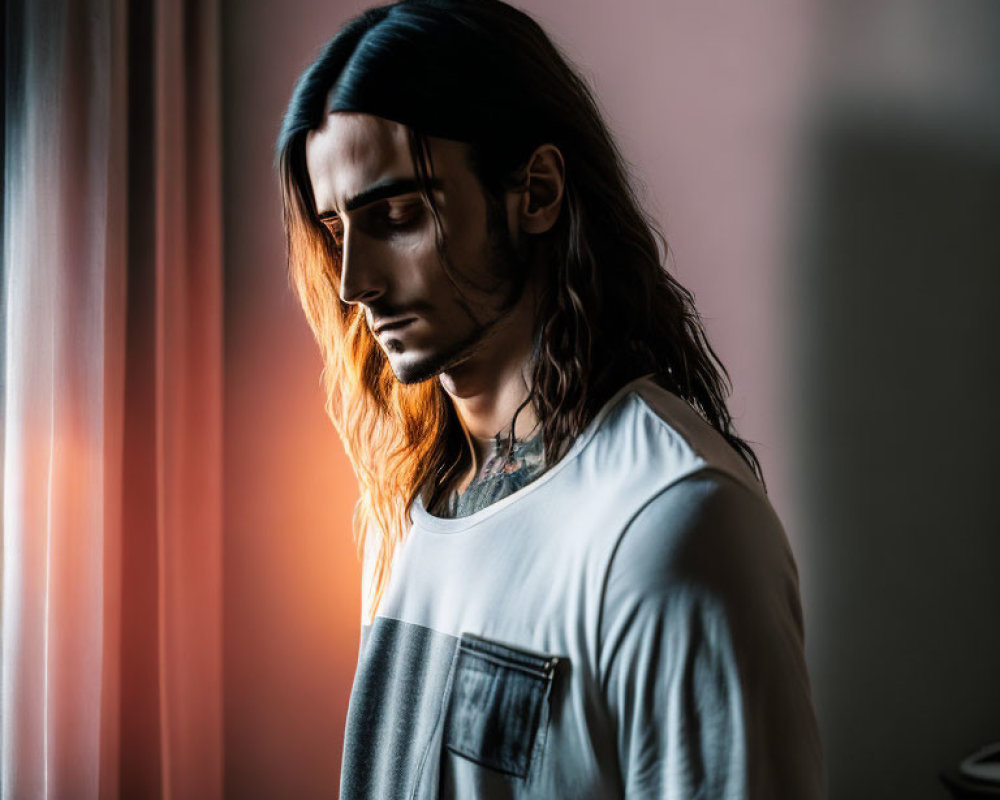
484,73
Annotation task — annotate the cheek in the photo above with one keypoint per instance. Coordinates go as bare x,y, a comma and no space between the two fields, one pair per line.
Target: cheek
417,267
469,250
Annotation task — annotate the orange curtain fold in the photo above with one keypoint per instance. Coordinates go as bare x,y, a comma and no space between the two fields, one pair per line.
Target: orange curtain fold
111,660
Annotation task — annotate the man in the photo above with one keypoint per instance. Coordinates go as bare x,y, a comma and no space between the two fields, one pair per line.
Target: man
575,586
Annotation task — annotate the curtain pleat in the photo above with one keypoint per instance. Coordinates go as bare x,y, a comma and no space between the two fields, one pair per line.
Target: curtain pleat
189,396
110,624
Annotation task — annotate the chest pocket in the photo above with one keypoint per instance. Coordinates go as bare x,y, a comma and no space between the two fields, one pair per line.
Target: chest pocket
498,711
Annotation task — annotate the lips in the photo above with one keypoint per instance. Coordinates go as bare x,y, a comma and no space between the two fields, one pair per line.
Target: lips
392,324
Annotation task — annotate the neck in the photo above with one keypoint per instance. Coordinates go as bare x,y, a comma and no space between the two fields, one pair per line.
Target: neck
488,388
487,402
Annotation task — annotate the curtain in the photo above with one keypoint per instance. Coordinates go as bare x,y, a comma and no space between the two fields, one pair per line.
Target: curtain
110,623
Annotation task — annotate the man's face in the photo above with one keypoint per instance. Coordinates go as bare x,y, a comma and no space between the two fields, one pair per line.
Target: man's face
366,194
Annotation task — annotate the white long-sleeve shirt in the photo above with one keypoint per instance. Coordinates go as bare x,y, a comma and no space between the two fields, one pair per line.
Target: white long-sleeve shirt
626,626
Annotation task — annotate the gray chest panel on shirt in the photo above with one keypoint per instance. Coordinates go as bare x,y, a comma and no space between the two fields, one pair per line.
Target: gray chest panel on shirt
425,702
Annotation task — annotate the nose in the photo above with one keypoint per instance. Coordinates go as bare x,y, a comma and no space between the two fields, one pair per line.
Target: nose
361,281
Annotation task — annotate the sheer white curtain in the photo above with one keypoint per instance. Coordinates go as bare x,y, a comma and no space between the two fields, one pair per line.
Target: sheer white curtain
110,666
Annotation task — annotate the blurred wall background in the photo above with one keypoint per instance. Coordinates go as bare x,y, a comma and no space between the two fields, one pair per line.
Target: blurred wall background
894,274
827,178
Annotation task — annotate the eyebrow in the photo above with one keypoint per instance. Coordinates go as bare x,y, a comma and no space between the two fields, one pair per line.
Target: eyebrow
391,187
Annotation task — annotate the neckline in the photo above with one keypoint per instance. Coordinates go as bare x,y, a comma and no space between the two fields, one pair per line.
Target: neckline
501,436
424,520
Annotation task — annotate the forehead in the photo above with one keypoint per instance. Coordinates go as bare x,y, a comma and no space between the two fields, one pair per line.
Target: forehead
353,151
350,151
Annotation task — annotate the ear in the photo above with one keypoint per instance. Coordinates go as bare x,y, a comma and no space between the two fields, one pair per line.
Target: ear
540,197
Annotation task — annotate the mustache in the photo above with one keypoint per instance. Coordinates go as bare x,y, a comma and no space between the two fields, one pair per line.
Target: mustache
385,312
380,310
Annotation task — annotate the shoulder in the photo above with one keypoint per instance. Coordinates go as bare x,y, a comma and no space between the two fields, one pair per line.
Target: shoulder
680,422
707,546
707,526
648,435
687,508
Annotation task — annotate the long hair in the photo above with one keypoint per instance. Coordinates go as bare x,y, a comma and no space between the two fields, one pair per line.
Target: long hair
484,73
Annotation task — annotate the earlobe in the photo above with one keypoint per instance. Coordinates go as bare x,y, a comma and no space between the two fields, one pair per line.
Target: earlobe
541,199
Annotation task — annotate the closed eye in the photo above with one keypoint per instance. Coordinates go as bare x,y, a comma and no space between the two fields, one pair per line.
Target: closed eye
393,213
402,213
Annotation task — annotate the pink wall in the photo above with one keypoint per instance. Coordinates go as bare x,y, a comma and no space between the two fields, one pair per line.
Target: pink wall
703,99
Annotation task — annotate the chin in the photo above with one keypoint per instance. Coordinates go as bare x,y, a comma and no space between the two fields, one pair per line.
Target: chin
417,368
409,369
411,366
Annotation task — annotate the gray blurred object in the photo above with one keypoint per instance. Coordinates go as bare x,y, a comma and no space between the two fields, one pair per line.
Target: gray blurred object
977,777
983,765
897,286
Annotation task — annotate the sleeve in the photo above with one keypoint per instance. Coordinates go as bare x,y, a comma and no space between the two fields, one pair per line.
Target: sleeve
701,660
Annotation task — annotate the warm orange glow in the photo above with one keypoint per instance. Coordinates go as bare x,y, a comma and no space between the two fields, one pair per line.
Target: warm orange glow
391,431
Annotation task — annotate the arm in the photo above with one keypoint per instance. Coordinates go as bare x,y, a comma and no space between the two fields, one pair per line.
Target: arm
701,659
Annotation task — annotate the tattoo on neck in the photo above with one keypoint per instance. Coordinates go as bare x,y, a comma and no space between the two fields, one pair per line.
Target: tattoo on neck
500,475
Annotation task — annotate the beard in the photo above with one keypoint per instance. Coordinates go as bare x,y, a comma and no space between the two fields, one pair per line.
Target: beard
507,265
